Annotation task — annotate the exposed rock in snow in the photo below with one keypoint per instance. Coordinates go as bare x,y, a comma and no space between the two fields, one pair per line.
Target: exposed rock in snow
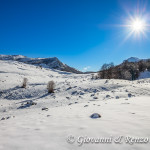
95,97
27,104
129,95
107,96
117,97
95,115
45,108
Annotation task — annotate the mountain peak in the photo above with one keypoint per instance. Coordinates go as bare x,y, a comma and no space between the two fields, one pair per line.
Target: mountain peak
51,62
133,59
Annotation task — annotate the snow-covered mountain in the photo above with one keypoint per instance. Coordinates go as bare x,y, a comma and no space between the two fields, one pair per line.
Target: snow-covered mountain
135,59
53,62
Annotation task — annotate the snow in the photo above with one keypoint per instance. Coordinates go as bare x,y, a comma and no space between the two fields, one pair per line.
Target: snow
145,74
35,120
11,57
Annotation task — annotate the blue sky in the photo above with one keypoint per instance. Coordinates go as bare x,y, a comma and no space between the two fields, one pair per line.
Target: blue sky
81,33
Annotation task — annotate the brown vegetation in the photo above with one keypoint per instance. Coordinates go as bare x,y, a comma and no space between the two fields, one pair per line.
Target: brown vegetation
126,70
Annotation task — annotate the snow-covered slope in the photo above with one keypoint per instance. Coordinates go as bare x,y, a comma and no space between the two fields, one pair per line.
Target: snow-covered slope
53,62
33,119
11,57
145,74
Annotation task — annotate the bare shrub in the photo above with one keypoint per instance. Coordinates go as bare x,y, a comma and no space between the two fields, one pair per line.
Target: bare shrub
24,84
50,86
92,76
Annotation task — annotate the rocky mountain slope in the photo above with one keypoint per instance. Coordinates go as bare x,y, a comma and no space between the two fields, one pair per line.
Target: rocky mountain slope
53,62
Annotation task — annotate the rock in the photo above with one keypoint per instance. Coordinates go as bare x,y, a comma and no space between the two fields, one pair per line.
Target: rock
74,92
81,93
68,98
117,97
85,105
26,105
107,96
95,97
95,116
8,117
69,88
3,118
129,95
31,103
133,113
95,90
45,108
92,94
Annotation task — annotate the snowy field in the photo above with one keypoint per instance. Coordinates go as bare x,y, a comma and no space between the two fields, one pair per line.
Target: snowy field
32,119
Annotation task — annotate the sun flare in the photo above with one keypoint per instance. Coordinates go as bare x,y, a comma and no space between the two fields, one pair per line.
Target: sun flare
137,25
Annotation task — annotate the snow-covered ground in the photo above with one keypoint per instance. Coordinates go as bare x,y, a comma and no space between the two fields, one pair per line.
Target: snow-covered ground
124,107
145,74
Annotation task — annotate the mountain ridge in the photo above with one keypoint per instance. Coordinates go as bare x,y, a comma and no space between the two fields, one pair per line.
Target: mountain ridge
135,59
51,62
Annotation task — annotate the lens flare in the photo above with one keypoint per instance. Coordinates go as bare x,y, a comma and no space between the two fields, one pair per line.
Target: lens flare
138,25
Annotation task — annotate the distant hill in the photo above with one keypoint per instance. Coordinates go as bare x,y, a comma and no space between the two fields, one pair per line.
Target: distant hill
135,59
52,62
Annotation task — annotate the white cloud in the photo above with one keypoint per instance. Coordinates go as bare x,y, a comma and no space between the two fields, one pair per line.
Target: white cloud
86,68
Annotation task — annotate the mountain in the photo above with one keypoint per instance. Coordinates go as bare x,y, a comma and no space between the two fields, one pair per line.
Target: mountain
52,62
135,59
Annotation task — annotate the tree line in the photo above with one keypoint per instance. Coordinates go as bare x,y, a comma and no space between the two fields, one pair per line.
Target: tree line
126,70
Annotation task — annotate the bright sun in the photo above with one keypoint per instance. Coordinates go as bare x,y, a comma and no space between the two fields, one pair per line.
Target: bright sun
137,25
